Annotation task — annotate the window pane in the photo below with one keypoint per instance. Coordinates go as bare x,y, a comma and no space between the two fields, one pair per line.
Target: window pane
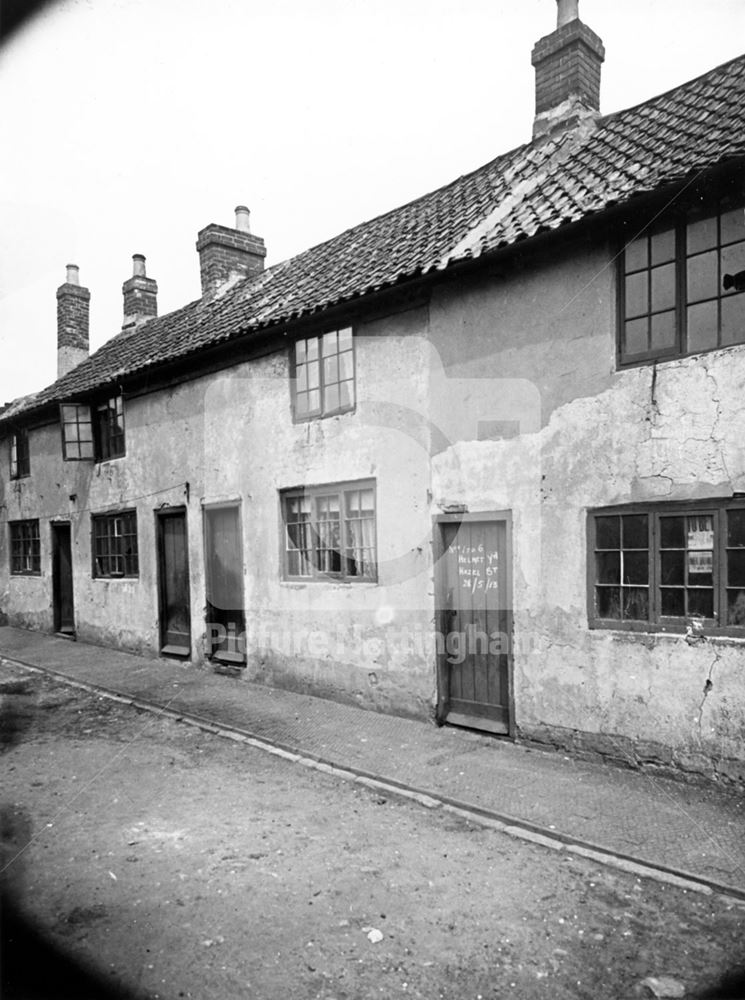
736,568
673,602
637,297
345,337
608,567
703,276
608,602
673,567
733,225
300,352
636,603
700,566
312,370
314,401
301,404
637,337
636,255
346,395
733,319
672,532
736,527
663,331
346,365
311,349
329,344
700,531
367,502
702,234
733,261
302,378
703,326
331,370
701,603
331,398
635,531
736,607
635,567
608,532
663,287
663,246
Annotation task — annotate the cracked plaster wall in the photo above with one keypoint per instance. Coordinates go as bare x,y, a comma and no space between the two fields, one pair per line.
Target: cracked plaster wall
606,437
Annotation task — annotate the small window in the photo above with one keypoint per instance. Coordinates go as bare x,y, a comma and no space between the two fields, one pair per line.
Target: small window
323,376
682,288
661,566
77,433
20,464
115,544
25,548
330,532
109,428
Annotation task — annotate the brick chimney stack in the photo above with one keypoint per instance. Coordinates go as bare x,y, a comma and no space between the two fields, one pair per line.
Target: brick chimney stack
73,306
567,73
227,255
140,296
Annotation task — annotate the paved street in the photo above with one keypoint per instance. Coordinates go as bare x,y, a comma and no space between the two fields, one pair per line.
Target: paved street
182,864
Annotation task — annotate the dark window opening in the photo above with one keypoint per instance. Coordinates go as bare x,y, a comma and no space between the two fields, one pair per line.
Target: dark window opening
20,459
109,429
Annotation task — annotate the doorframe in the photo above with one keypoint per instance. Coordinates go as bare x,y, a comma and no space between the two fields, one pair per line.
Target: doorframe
160,515
438,550
56,610
225,658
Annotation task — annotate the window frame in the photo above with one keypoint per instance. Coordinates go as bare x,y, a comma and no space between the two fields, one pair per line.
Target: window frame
342,490
322,410
678,222
80,441
20,455
109,519
656,622
33,539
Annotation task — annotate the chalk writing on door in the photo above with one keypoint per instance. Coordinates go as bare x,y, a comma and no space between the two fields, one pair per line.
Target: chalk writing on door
478,569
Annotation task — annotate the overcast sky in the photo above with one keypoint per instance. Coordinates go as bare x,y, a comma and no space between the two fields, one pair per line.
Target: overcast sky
128,125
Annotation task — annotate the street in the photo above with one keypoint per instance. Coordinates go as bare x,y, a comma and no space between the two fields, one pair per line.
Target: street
181,864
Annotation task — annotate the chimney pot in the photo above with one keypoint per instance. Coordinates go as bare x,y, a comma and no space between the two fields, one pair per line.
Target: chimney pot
242,219
568,11
73,274
138,265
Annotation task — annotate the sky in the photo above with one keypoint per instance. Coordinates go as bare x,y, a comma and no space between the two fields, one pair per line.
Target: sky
129,125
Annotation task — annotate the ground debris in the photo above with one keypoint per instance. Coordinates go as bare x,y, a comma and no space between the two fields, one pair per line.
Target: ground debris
664,986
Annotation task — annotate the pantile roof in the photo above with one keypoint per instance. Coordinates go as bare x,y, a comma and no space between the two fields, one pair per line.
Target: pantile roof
536,188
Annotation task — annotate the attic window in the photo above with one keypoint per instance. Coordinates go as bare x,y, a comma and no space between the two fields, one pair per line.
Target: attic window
109,428
323,379
20,465
682,287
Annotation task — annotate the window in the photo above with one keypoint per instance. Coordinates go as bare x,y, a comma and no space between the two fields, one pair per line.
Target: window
323,382
109,428
330,532
682,287
663,564
77,434
20,464
25,548
115,544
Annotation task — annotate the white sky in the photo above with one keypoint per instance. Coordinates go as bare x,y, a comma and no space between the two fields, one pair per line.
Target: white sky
128,125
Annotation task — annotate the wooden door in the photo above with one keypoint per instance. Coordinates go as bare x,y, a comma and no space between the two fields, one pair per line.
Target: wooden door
474,623
226,619
173,583
62,585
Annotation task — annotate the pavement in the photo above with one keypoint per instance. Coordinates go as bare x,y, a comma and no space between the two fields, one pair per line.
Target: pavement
689,835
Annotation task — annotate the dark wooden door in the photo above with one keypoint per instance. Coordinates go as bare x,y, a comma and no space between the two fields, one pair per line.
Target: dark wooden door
226,619
62,586
475,624
173,584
